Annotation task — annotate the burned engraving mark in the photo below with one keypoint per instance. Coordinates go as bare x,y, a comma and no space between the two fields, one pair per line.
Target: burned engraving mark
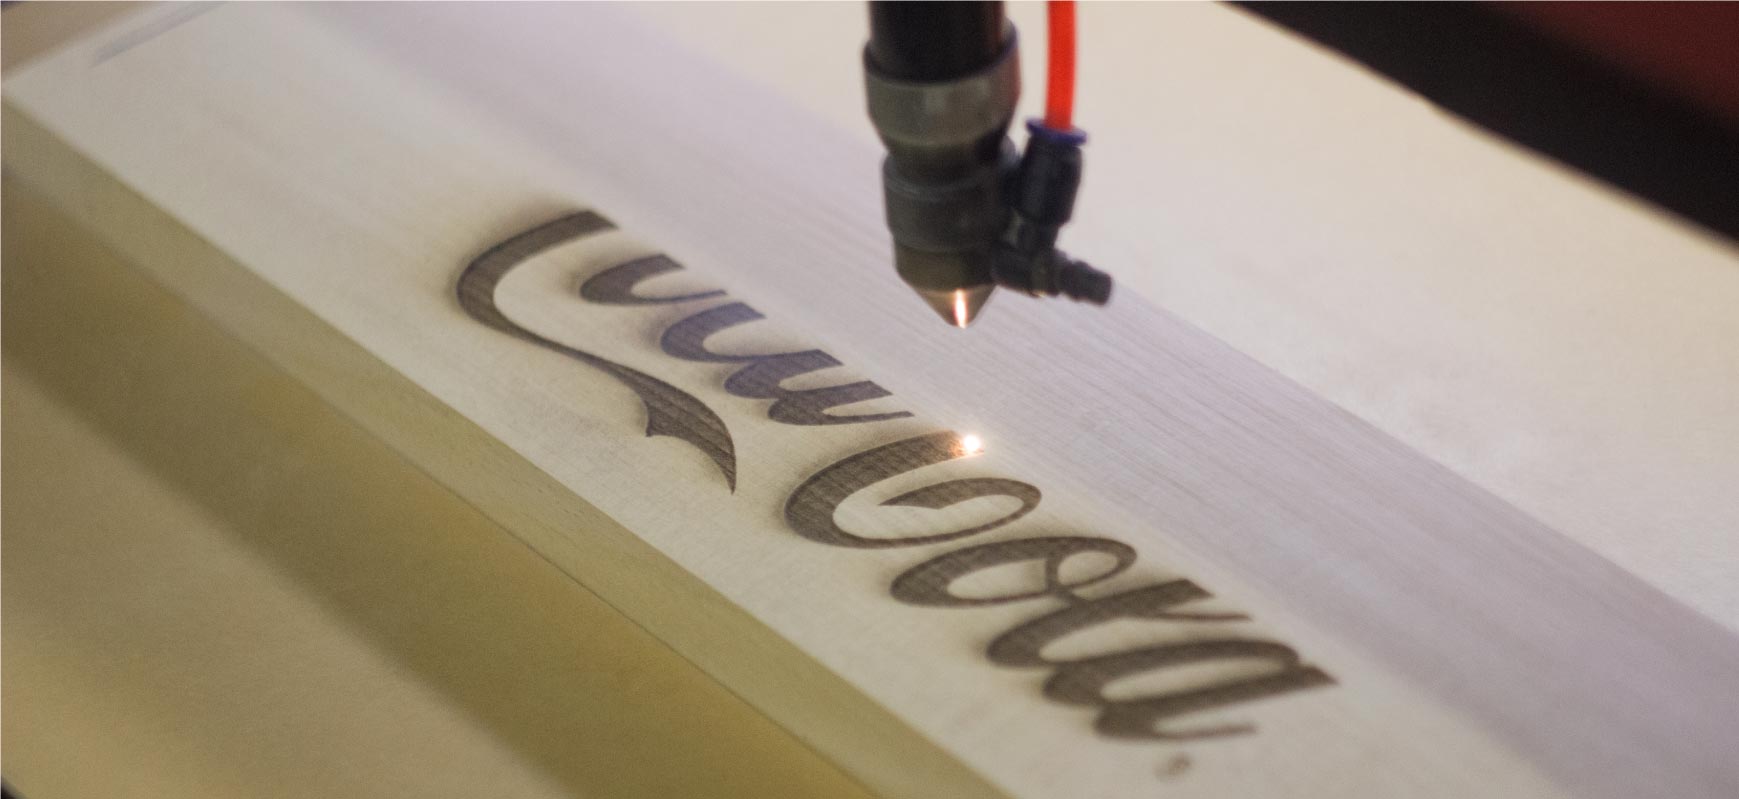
930,583
1063,572
762,375
615,286
1083,681
810,509
670,411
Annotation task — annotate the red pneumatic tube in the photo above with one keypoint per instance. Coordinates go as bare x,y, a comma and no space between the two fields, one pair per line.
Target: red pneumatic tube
1060,89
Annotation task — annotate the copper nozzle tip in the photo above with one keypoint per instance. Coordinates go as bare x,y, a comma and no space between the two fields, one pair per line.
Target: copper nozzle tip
960,306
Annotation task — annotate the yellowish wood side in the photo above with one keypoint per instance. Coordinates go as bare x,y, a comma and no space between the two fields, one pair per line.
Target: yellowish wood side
217,585
28,30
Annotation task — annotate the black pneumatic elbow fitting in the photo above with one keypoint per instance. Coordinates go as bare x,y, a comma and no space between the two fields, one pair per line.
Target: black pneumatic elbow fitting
1041,196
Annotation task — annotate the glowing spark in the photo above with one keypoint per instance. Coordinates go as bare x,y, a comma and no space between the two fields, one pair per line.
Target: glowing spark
971,444
959,308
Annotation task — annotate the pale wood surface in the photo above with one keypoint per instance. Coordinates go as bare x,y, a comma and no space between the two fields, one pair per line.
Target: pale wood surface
1475,649
1543,336
216,585
247,625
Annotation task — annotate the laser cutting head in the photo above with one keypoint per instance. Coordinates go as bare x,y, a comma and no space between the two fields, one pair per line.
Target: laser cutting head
943,178
966,211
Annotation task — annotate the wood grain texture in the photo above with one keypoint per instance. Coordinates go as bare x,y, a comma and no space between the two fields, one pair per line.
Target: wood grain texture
216,585
1556,343
1470,648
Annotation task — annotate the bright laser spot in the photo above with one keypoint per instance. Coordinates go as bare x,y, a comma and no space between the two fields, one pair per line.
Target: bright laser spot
960,315
971,444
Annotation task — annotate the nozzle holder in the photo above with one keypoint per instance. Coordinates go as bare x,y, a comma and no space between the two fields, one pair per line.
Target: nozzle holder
949,159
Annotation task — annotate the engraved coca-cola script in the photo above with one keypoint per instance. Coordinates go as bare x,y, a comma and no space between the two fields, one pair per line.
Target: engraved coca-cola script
1256,668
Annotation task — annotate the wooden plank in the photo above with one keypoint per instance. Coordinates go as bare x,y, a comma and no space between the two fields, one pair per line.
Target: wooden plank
217,585
1559,344
33,29
1330,599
